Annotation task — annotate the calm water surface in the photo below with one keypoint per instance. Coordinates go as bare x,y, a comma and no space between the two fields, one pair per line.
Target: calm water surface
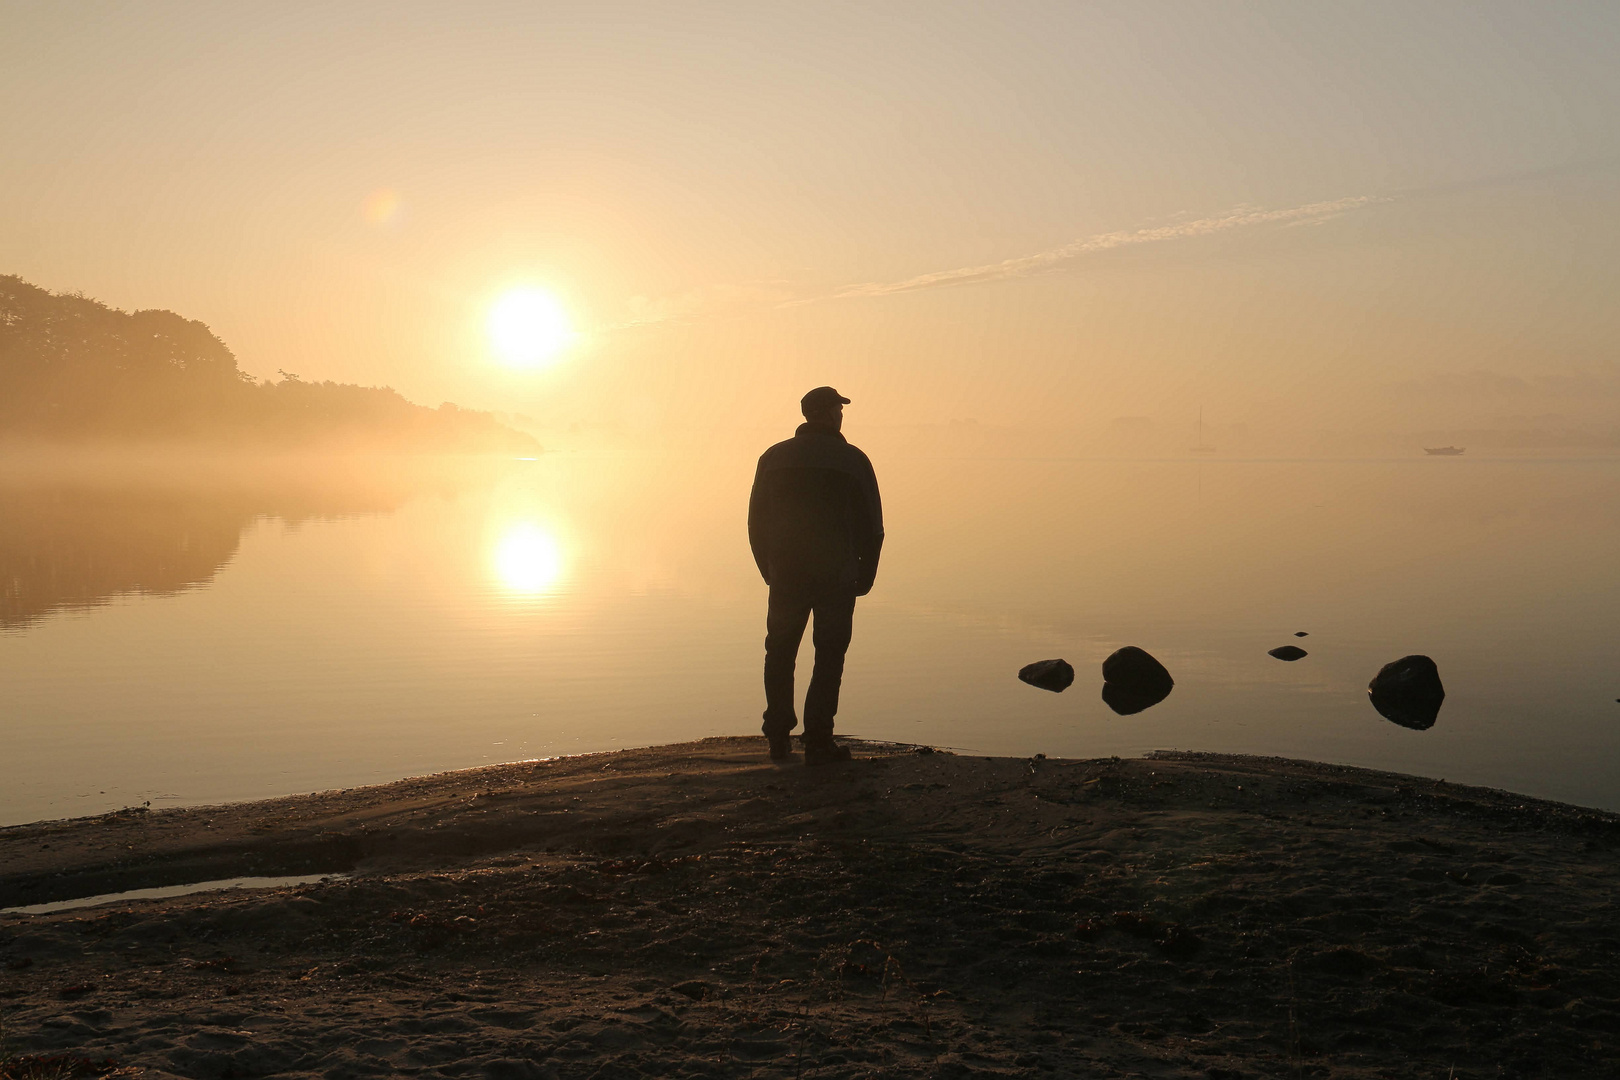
185,636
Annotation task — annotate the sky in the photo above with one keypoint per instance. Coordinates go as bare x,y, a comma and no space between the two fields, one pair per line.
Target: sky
1325,216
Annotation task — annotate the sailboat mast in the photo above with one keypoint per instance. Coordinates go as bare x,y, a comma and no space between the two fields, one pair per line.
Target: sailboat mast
1201,447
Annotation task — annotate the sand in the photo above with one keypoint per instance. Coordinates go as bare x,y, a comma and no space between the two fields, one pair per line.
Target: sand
696,910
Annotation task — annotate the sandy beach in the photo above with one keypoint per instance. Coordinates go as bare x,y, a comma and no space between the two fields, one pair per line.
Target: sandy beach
696,910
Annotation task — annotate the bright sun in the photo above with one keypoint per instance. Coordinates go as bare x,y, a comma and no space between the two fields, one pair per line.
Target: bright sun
528,328
528,560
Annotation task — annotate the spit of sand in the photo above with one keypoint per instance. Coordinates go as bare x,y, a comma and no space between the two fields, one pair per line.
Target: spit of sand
696,910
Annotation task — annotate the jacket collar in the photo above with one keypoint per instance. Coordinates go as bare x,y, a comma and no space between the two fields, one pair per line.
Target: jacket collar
823,430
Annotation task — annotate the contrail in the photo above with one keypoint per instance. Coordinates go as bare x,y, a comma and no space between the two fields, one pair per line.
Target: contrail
714,302
1025,265
1242,218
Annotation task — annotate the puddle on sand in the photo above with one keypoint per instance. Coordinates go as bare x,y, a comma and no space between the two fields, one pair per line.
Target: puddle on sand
172,890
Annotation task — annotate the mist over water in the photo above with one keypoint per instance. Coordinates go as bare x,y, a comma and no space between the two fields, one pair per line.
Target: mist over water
200,634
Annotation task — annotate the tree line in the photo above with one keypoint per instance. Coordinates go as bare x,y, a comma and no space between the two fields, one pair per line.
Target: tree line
72,368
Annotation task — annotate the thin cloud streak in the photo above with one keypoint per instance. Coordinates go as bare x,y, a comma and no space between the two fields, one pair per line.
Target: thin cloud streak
726,300
1024,266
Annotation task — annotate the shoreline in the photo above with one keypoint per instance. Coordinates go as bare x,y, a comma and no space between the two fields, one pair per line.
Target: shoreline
867,747
696,909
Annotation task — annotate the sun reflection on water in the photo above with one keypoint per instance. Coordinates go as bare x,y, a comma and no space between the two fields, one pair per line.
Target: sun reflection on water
528,559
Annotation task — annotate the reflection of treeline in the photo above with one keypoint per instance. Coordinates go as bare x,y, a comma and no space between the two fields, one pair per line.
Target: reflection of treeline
71,367
67,545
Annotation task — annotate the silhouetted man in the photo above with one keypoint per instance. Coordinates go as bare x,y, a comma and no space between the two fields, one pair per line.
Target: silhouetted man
816,526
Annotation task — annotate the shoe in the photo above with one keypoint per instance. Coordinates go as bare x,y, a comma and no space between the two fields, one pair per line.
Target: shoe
781,745
824,752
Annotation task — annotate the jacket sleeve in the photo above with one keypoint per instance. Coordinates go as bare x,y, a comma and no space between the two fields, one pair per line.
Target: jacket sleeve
870,540
758,511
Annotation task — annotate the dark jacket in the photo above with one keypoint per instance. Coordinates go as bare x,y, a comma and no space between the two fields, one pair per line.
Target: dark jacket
814,516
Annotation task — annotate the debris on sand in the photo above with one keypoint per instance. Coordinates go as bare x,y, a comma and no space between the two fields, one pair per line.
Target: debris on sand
1287,652
1133,680
1053,675
1408,692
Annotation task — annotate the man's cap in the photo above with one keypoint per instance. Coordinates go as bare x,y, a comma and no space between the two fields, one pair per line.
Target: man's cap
822,397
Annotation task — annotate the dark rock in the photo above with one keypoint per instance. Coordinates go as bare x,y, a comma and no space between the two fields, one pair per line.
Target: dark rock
1287,652
1053,675
1408,692
1133,665
1301,633
695,989
1133,680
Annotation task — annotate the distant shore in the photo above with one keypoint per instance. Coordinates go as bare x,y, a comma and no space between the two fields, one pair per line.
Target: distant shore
697,910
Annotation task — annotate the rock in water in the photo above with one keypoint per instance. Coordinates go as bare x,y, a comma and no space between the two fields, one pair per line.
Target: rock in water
1133,665
1133,680
1301,633
1053,675
1408,692
1287,652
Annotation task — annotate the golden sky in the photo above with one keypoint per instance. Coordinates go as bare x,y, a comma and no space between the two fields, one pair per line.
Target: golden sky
1025,213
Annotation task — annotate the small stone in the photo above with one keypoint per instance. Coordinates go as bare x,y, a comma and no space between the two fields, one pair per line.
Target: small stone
1301,633
1408,692
1287,652
1134,680
1133,665
696,989
1053,675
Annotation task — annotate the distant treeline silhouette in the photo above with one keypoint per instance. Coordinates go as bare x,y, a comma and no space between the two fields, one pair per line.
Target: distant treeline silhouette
74,368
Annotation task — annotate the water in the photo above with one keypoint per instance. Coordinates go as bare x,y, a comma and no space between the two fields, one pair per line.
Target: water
164,892
179,636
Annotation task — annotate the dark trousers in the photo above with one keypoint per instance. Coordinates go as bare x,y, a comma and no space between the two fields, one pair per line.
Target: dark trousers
790,608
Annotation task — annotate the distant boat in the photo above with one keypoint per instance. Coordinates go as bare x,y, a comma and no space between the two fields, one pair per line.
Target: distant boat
1444,451
1201,448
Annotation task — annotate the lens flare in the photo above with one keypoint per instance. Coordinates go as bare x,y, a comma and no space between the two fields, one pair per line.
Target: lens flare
381,207
528,559
528,328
